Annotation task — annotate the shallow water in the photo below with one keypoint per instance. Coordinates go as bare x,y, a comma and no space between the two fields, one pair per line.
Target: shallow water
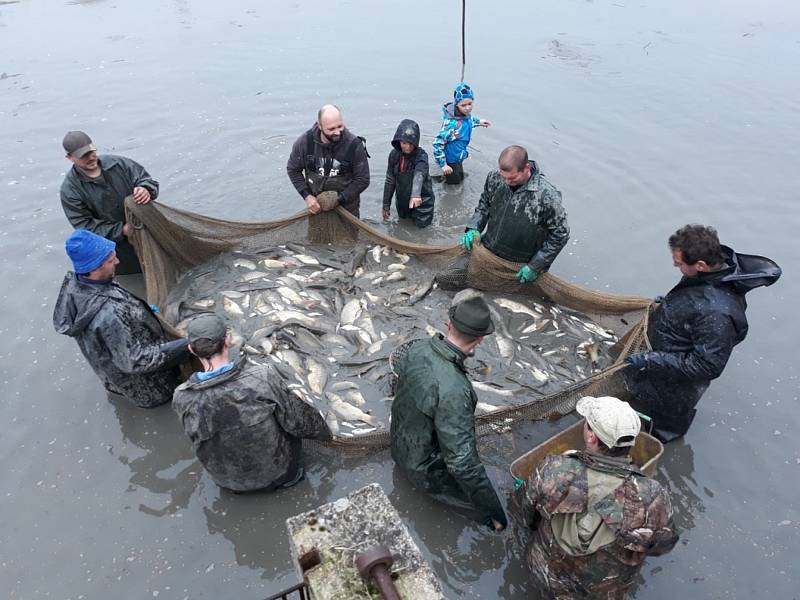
646,116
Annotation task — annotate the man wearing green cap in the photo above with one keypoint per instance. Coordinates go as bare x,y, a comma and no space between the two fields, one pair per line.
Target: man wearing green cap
94,190
596,516
245,424
117,332
433,426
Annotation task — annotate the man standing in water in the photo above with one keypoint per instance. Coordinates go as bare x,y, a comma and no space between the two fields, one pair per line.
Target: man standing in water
519,218
596,516
117,332
94,191
245,424
433,425
328,157
694,328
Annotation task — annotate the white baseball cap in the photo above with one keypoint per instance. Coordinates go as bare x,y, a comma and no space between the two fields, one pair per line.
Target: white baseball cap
611,419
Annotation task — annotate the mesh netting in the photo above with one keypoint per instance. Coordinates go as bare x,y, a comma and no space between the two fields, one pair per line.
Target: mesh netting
170,241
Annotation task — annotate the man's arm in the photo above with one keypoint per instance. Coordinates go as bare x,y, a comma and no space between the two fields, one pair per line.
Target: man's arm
420,173
481,214
139,176
360,180
557,235
295,416
713,336
81,216
295,167
455,429
389,184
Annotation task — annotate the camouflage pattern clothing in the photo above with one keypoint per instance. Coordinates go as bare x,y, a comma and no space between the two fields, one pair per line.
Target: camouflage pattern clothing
637,515
527,224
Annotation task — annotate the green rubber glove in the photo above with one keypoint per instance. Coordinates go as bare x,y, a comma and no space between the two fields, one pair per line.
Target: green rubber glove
469,237
527,275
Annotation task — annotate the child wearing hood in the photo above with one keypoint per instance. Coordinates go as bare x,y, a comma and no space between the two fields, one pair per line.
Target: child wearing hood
450,145
407,177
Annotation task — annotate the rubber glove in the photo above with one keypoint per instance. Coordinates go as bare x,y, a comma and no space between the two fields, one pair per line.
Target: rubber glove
527,275
469,238
638,360
155,309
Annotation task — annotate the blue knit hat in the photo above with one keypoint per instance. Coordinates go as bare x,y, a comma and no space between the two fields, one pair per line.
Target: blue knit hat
87,250
463,92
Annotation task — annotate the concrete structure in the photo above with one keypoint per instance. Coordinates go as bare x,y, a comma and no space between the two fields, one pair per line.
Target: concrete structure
325,543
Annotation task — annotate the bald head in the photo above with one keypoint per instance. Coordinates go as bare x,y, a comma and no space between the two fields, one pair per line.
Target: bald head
515,169
329,119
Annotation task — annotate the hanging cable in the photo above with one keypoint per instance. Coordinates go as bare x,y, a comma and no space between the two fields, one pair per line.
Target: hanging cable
463,38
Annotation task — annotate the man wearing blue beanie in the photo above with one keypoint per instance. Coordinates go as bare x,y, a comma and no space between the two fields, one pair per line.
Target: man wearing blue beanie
117,332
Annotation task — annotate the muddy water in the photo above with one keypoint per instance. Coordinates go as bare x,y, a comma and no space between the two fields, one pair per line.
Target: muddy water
645,115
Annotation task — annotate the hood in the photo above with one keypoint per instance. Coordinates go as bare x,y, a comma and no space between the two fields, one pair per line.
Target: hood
195,384
76,305
449,112
749,271
407,131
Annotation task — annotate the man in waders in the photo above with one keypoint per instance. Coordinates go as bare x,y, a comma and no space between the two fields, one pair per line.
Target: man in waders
694,328
595,515
94,191
433,424
328,157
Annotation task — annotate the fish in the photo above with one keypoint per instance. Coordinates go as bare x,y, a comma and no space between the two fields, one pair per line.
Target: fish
232,308
348,412
355,397
395,267
343,385
422,291
271,263
317,376
376,254
364,430
356,261
202,304
396,276
516,307
306,260
232,294
292,359
291,296
350,312
245,264
591,350
332,422
253,275
485,407
485,387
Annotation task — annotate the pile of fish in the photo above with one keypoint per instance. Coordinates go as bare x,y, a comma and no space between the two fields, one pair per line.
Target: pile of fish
328,318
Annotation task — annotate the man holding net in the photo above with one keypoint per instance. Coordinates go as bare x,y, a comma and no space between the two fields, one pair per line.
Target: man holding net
519,216
596,516
328,158
433,425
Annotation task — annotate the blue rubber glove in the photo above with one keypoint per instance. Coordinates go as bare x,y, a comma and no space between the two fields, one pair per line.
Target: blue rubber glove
155,309
527,275
469,237
638,360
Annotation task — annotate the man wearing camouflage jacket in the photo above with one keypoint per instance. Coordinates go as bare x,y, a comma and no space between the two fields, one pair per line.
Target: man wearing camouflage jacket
596,516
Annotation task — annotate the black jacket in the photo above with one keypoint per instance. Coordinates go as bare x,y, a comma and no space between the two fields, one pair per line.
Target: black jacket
99,204
121,339
527,225
407,176
692,333
315,167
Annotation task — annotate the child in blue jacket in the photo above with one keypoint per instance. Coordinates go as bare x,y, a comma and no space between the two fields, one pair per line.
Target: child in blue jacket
450,145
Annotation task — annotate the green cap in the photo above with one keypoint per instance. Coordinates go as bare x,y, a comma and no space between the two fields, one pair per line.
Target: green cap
472,316
206,327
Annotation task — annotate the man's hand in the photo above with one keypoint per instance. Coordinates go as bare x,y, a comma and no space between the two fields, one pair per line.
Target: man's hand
141,195
527,275
484,123
637,361
447,170
415,202
126,230
497,525
469,238
386,213
312,204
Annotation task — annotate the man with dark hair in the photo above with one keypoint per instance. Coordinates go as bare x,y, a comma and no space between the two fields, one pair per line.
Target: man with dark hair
117,332
596,516
245,424
693,330
433,425
328,157
519,216
94,191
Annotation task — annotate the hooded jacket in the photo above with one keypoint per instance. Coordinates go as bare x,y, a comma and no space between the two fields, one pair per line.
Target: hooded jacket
99,204
528,225
634,513
246,426
407,176
452,141
433,428
693,332
121,339
315,167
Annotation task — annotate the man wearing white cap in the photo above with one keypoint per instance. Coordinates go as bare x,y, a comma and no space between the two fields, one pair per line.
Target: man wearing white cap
94,191
596,516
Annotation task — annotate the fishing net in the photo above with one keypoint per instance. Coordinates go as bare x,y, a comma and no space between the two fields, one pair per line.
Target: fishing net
170,241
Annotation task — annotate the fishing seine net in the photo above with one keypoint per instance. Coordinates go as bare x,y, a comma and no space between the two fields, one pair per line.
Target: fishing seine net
171,242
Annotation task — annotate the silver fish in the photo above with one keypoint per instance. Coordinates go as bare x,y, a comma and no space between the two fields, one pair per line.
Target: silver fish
232,308
332,423
516,307
245,264
317,376
348,412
